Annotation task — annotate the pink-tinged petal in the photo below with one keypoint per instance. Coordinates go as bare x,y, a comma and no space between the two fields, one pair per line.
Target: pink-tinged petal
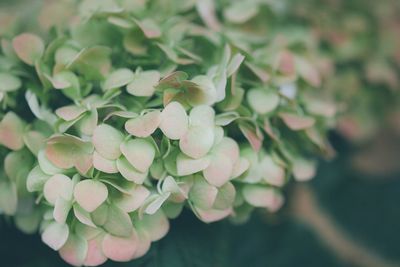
58,185
263,101
268,129
118,78
83,216
55,235
251,136
155,225
240,167
286,63
90,194
103,164
88,123
272,173
35,141
296,122
308,72
74,250
28,47
262,74
144,244
149,28
155,202
46,166
69,113
107,141
67,151
197,141
213,215
202,116
202,194
263,197
186,165
134,200
145,125
144,83
206,10
303,170
174,121
95,254
229,148
120,249
12,131
129,172
61,210
219,171
139,152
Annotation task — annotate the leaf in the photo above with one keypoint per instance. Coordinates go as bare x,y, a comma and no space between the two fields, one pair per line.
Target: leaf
90,194
28,47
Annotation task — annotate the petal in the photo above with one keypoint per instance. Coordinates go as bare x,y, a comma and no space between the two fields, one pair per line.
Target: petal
59,185
240,167
103,164
11,131
134,200
144,244
120,249
69,113
303,170
90,194
55,235
74,250
144,83
156,225
145,125
156,203
219,171
186,165
202,116
95,254
225,197
118,222
46,166
202,194
61,210
107,141
296,122
174,121
118,78
139,152
197,141
129,172
262,101
28,47
9,82
229,148
83,216
263,197
36,179
212,215
272,173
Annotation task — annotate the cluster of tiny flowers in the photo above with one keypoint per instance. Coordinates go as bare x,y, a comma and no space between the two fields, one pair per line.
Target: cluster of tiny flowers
126,112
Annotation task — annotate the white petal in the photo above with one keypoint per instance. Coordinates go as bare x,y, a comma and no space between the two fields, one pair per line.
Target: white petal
197,141
174,121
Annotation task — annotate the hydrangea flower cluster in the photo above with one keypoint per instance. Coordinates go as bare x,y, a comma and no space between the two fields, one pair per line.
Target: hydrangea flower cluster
117,114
